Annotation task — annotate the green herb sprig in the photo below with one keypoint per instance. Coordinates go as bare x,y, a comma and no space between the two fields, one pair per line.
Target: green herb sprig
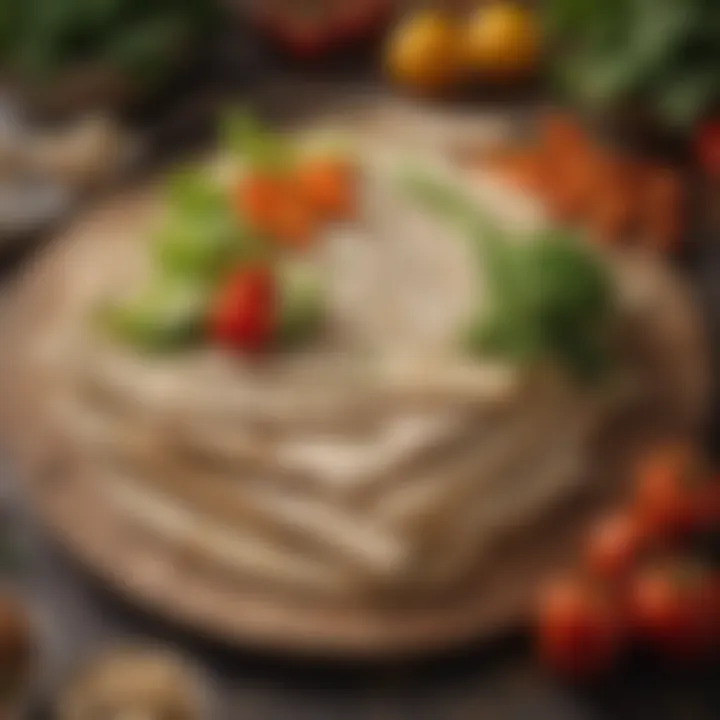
551,299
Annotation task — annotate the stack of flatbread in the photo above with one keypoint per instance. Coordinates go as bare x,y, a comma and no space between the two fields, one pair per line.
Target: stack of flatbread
381,465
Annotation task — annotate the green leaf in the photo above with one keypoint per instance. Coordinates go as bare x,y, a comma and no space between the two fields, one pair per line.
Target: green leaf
245,136
202,239
628,51
550,297
302,303
168,316
190,190
452,204
201,247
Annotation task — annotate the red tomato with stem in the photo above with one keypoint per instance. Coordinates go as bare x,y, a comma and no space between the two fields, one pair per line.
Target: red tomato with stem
579,629
674,608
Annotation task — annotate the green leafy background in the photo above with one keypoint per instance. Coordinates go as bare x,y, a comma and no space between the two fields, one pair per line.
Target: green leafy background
39,39
661,55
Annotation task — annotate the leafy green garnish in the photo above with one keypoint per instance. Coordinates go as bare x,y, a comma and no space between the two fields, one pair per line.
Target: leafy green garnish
169,315
245,136
41,39
302,305
200,242
202,237
660,55
550,298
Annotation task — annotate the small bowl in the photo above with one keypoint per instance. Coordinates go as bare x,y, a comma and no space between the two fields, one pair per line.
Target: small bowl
146,682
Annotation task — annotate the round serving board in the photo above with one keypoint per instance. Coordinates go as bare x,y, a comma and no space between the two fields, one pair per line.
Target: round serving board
166,576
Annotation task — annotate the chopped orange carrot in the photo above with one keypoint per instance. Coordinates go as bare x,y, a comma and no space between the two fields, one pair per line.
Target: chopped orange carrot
663,188
574,184
663,208
272,205
258,198
294,223
525,168
563,137
614,212
329,186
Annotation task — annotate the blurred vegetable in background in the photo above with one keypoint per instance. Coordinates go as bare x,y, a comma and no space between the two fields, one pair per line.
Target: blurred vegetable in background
551,298
498,42
311,29
424,52
41,40
659,57
503,42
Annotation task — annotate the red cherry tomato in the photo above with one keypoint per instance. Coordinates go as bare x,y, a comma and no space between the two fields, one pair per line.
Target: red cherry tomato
674,608
579,630
614,546
244,315
708,147
667,483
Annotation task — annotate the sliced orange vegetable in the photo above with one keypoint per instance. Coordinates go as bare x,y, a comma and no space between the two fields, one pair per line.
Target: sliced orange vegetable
329,185
258,198
273,205
614,212
573,187
524,169
663,208
294,223
564,138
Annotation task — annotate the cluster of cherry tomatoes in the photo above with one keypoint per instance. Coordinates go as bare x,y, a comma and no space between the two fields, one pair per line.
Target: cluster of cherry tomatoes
642,579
